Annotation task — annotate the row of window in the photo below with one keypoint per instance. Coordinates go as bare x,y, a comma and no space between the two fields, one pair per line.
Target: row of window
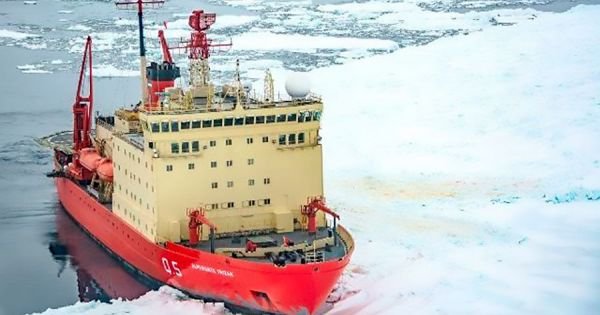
175,126
245,204
291,138
132,217
213,164
194,146
251,182
185,147
135,198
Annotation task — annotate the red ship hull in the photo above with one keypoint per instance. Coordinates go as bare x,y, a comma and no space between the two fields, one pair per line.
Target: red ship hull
292,289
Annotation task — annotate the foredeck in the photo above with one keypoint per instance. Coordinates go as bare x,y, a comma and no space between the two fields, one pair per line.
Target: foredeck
307,248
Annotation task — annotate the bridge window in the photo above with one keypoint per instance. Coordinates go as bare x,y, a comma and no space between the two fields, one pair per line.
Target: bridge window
308,116
228,121
301,117
164,126
301,137
185,125
185,147
281,139
292,138
239,121
281,118
195,146
174,147
270,119
155,127
174,126
206,123
218,122
195,124
260,119
317,116
291,117
249,120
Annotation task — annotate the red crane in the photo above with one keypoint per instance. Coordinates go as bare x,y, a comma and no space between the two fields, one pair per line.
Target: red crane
165,47
84,104
197,219
310,210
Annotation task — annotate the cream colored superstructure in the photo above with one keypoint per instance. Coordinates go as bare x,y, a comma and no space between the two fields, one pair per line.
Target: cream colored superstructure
248,177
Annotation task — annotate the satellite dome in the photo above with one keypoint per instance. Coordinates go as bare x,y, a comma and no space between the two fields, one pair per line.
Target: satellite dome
297,85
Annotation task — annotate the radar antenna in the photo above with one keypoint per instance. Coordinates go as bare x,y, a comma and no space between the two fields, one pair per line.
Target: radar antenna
140,5
199,47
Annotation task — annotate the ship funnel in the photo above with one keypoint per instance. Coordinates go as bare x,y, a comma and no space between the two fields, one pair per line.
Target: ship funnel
160,77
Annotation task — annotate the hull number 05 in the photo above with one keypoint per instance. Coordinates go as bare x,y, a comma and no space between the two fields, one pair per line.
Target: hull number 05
171,267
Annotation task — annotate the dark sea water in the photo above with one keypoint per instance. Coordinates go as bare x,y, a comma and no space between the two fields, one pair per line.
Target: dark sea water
46,261
38,267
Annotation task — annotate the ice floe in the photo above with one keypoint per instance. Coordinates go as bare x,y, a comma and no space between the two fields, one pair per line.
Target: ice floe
107,70
15,35
165,301
265,40
79,27
438,157
125,22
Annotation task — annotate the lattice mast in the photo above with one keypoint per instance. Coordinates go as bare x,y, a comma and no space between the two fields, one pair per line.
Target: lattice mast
199,47
140,5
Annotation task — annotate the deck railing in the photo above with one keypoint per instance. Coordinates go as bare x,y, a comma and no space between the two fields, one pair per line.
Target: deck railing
311,99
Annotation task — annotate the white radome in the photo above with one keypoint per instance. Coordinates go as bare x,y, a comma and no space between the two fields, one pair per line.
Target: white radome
297,85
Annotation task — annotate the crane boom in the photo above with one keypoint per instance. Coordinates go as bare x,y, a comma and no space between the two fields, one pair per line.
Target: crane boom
165,47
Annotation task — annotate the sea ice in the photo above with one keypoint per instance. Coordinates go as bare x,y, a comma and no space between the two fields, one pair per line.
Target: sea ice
106,70
15,35
267,41
438,158
165,301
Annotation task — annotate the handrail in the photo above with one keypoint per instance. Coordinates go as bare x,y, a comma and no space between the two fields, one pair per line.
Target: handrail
104,124
249,106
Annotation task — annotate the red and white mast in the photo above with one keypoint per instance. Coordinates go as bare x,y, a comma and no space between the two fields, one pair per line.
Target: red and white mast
199,46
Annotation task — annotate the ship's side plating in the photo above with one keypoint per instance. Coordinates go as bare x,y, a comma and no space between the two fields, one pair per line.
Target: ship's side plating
293,289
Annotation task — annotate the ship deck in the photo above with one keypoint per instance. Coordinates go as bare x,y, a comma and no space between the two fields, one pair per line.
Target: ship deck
273,246
62,140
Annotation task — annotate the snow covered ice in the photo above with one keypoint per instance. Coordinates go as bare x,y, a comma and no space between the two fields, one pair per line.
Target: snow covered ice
468,171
